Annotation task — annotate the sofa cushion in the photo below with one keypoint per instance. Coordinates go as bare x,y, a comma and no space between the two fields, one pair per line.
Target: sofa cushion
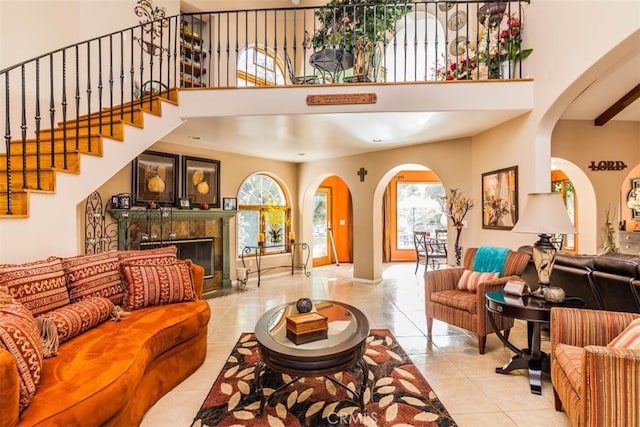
20,337
470,280
97,373
569,359
149,285
629,337
164,255
78,317
95,275
39,285
460,300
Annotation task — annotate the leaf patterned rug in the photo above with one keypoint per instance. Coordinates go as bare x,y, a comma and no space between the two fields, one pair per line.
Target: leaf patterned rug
397,394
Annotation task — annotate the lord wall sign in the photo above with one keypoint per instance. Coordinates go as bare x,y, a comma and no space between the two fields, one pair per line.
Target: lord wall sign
607,165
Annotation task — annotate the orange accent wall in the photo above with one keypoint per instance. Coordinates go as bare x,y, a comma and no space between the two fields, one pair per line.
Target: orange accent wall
341,204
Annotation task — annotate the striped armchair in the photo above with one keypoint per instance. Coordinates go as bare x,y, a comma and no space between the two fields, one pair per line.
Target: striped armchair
597,385
464,309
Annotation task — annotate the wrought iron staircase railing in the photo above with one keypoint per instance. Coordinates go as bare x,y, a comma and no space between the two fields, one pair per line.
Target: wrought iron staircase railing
61,103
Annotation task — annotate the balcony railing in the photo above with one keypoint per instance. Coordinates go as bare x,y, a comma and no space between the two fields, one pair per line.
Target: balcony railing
338,44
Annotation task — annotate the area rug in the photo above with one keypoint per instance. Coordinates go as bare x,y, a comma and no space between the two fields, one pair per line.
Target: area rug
397,395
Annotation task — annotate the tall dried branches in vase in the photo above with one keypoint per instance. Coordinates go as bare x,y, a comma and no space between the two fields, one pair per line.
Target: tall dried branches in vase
455,207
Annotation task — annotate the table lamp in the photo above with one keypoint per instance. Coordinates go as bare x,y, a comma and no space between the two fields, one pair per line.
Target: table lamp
544,215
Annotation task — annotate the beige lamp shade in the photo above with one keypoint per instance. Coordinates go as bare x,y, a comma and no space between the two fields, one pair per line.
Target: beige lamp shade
544,213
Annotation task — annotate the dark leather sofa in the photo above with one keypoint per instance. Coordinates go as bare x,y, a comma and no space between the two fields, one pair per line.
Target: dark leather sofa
609,281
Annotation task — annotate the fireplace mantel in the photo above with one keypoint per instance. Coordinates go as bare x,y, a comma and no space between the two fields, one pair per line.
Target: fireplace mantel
163,225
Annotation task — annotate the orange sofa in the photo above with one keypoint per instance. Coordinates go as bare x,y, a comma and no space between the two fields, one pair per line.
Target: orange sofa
112,374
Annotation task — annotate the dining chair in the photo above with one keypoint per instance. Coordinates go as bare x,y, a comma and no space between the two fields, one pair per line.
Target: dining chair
299,80
420,244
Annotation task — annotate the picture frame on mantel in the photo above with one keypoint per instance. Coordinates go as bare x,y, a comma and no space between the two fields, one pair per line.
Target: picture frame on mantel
201,181
155,178
500,198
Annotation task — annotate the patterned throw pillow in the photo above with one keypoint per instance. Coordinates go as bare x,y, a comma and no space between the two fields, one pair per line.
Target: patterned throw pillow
19,336
149,285
79,317
39,285
629,338
93,276
470,280
166,255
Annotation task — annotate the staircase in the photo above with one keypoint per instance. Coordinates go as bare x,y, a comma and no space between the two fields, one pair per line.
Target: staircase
35,165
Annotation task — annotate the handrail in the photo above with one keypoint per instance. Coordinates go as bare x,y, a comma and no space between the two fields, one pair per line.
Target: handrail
419,41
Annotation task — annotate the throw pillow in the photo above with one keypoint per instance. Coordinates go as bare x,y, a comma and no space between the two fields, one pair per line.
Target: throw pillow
95,275
149,285
470,280
165,255
19,336
629,338
39,285
79,317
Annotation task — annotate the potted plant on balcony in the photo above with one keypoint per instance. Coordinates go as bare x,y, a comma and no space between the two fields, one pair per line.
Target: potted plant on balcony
359,27
500,47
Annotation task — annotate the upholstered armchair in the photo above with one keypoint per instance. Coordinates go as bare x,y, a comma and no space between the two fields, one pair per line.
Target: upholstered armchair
445,299
595,379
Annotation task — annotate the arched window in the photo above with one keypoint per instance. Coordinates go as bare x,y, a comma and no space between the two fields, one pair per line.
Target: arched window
259,67
263,213
418,49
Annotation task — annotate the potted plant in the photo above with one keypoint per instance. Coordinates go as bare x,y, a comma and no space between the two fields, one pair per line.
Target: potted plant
500,47
360,27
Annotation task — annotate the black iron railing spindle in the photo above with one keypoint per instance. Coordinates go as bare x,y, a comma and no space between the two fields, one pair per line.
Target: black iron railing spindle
89,91
23,126
37,118
7,140
64,97
52,112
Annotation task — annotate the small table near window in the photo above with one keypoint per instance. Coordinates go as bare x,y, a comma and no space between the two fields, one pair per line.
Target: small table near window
259,251
536,311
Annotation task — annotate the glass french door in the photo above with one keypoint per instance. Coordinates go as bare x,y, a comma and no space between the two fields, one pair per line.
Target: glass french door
322,242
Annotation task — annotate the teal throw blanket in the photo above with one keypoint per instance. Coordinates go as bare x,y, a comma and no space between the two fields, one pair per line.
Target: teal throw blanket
490,259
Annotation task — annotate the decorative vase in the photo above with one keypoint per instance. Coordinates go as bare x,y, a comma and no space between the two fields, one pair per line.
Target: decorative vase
457,249
507,69
554,294
304,305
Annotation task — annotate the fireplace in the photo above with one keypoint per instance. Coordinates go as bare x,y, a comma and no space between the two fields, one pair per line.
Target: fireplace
201,235
199,251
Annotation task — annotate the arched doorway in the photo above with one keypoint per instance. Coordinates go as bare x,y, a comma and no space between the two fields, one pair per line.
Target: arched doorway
332,223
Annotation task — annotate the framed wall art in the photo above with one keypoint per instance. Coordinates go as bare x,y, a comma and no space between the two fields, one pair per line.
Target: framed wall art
500,198
229,203
201,181
155,177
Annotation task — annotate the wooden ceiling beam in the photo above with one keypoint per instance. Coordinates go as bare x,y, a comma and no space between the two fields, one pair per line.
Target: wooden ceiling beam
618,106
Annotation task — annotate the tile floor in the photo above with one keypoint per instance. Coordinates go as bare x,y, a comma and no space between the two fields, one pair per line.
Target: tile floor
464,380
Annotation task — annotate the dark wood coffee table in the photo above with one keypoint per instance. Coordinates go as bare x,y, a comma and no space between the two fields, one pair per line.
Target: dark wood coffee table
342,350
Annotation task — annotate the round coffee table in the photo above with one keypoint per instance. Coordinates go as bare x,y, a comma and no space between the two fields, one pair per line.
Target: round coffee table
341,350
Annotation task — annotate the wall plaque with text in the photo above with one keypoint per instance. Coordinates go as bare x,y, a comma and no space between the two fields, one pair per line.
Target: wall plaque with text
342,99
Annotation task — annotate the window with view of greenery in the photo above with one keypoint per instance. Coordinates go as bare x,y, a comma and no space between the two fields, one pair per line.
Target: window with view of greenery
263,209
419,208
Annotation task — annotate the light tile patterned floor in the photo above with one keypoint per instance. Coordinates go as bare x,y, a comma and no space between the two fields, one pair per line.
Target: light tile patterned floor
464,380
